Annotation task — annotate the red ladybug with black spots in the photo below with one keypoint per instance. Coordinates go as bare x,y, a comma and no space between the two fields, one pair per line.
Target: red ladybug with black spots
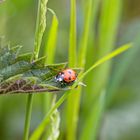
66,77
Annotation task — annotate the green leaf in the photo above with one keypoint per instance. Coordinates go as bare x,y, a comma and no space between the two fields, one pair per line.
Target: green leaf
7,55
23,76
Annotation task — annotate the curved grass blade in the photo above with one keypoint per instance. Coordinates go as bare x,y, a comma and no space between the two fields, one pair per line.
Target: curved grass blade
105,58
40,129
50,46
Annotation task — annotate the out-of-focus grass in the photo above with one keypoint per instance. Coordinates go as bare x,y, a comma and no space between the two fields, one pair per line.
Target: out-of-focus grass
13,25
108,24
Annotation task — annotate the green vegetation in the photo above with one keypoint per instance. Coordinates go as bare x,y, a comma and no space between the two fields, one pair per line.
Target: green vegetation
92,32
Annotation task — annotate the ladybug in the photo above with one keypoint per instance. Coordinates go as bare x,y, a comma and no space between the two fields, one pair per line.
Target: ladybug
66,77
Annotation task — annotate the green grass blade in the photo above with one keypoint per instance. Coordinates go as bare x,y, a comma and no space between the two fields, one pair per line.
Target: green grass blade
84,39
73,111
108,25
49,51
107,32
91,51
28,117
39,130
50,46
40,26
72,38
110,15
106,58
53,131
71,127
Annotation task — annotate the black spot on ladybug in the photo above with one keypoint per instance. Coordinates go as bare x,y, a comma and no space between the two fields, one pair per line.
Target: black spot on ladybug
69,72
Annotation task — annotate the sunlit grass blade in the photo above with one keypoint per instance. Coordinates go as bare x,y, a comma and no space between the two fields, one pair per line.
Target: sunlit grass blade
49,51
107,31
71,127
40,28
84,39
73,111
53,131
91,51
105,58
50,46
39,130
108,25
72,35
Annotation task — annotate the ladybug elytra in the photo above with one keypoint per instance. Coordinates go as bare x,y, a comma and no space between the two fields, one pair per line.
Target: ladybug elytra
66,76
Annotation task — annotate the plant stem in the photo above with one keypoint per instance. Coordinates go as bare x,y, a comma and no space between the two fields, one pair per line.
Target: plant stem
71,114
28,116
40,28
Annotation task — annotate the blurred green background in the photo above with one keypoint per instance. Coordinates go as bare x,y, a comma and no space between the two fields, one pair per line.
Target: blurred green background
121,120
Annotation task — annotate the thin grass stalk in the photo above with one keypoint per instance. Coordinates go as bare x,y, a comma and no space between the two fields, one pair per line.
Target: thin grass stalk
40,129
28,117
91,52
72,35
49,51
106,58
85,35
40,27
50,47
71,121
73,103
53,131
